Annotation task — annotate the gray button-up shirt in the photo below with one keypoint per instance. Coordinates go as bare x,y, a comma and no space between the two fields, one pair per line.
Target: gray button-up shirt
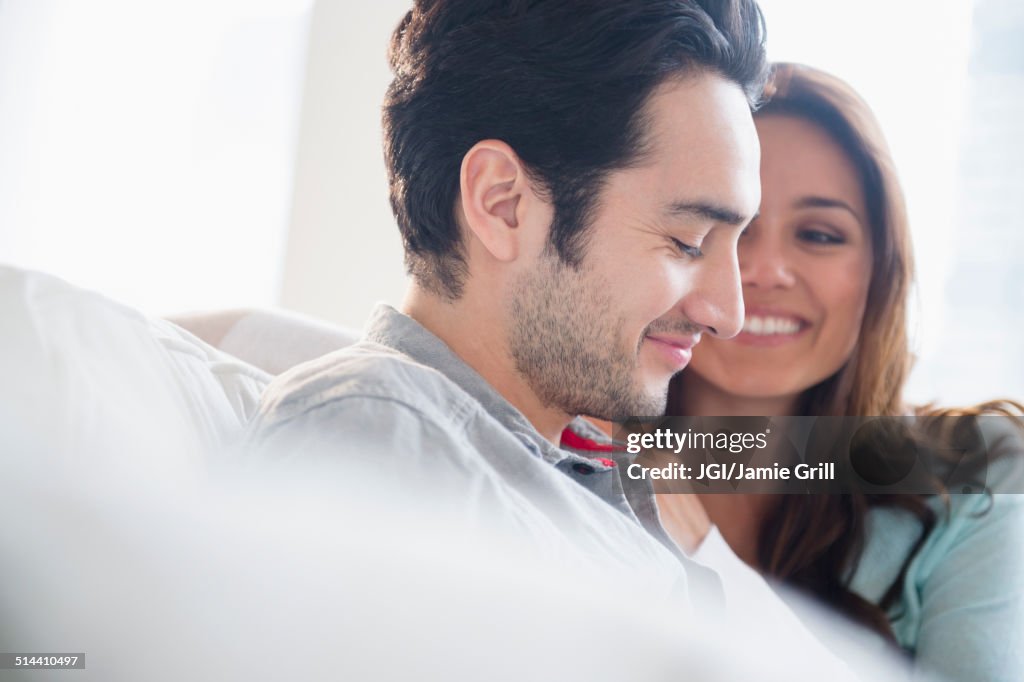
401,400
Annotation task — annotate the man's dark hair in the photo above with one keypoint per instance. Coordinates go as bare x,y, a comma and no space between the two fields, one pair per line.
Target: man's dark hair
562,82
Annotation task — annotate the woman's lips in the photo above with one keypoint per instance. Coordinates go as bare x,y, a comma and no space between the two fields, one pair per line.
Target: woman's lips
677,350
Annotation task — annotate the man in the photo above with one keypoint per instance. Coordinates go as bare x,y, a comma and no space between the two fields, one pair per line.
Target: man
570,180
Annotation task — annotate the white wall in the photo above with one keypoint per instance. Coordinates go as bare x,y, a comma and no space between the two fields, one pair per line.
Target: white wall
344,250
146,147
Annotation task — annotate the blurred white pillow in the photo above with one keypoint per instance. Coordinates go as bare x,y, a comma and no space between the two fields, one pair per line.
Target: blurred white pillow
82,373
273,340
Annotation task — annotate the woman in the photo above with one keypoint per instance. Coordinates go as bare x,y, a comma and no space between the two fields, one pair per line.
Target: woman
826,269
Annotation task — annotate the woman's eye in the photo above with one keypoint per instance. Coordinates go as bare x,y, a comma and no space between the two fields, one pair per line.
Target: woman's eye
692,251
813,236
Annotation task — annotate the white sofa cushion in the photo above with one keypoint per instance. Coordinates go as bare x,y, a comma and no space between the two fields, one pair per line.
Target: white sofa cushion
273,340
84,374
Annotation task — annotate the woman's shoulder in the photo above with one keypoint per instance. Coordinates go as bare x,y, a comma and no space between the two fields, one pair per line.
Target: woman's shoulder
892,531
970,562
988,519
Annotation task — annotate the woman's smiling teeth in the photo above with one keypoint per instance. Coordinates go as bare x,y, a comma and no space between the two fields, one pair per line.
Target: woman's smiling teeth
762,325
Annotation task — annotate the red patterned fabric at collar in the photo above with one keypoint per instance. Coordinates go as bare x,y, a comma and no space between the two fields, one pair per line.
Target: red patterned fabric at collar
571,439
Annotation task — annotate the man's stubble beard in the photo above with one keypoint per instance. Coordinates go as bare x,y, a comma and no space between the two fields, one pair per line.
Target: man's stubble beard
564,335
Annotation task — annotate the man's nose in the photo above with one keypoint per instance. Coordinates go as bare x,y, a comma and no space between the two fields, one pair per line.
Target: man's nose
716,303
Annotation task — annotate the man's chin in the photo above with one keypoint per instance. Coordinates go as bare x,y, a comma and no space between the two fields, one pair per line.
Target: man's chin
653,399
649,406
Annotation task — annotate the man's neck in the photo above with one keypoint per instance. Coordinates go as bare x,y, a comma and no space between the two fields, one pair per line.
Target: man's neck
477,333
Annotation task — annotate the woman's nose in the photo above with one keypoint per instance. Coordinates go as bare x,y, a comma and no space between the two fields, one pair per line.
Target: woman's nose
765,263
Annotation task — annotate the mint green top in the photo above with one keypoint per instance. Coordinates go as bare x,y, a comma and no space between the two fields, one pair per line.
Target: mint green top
961,610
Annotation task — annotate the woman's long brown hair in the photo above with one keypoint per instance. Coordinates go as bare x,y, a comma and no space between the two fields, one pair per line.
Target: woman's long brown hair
815,542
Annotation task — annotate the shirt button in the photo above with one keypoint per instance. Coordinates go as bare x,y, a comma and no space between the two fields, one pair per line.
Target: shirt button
581,468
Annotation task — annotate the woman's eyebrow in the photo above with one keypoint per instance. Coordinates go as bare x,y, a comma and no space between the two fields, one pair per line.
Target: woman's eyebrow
825,202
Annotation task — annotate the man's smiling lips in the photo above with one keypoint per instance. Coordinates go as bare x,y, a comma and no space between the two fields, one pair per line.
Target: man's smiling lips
676,349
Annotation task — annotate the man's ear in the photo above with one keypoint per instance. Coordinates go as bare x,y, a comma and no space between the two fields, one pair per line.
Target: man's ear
494,193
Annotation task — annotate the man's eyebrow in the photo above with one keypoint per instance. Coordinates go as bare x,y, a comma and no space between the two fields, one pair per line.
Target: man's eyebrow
825,202
706,211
